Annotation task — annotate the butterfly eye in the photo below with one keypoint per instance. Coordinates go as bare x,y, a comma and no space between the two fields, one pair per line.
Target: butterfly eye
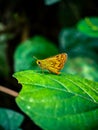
39,62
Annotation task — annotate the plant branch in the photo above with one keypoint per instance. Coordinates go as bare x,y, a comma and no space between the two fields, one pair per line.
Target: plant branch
8,91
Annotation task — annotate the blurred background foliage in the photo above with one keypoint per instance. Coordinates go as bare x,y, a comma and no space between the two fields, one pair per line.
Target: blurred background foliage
43,28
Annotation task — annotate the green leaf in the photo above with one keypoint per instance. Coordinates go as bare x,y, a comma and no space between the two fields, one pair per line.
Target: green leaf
77,42
37,46
10,120
57,102
89,26
85,67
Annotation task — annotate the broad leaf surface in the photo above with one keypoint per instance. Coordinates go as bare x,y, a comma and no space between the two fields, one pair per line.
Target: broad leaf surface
57,102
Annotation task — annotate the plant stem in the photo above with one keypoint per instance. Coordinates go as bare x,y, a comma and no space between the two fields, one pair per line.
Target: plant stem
8,91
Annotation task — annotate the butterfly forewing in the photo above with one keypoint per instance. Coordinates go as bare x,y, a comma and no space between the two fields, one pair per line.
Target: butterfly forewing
57,61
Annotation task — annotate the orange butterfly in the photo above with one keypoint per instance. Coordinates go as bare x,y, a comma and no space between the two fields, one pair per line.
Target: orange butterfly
54,64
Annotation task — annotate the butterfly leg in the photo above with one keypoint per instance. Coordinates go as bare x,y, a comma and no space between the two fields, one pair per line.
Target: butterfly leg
53,70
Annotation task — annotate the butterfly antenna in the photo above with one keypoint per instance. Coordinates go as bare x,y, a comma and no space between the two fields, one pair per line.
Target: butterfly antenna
35,58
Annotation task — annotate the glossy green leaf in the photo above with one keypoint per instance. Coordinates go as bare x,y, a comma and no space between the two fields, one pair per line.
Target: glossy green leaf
89,26
37,46
10,120
57,102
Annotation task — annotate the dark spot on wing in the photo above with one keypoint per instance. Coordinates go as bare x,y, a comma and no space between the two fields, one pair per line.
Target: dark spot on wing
57,56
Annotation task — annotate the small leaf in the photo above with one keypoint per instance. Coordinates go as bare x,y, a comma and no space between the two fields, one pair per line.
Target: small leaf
50,2
57,102
89,26
10,120
37,46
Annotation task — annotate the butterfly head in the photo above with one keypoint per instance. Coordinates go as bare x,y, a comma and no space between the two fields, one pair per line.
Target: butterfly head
38,62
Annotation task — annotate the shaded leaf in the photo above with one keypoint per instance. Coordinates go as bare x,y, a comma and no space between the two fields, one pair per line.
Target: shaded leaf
57,102
77,43
10,120
50,2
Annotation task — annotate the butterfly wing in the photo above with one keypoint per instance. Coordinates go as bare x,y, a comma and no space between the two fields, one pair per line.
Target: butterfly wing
56,63
53,64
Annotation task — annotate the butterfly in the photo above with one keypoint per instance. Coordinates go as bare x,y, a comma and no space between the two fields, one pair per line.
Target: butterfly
53,64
